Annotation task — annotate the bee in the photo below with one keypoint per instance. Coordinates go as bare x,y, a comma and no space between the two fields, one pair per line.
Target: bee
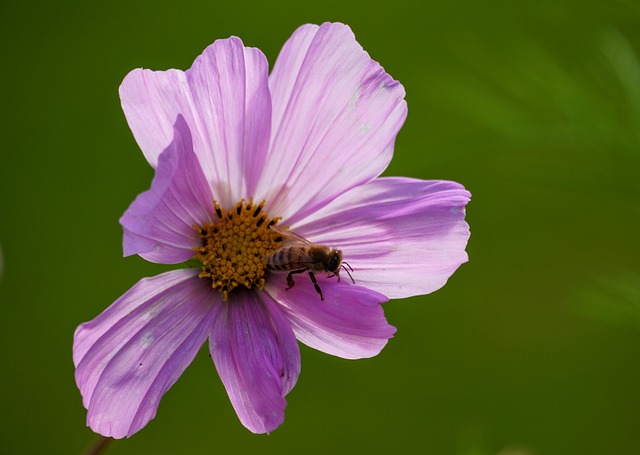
298,255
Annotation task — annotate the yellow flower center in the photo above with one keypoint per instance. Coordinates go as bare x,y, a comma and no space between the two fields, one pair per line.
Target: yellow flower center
236,245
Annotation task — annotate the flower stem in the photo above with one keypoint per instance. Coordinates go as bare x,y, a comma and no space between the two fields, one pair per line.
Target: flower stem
99,446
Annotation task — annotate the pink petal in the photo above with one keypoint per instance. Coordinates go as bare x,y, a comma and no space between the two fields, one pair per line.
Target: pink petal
257,358
402,236
132,353
348,323
159,223
225,101
336,114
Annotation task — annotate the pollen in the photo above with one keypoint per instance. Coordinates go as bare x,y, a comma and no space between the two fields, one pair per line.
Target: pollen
234,247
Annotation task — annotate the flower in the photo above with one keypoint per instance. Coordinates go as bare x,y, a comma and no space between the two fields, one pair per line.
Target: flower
243,160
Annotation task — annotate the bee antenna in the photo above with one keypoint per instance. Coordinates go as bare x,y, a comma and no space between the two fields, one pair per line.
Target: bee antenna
347,270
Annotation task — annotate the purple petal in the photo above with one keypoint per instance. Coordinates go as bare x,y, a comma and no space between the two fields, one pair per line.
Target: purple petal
131,354
225,101
257,358
159,223
348,323
336,114
402,236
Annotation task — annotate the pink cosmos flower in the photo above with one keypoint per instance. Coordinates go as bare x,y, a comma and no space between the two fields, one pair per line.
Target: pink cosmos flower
237,151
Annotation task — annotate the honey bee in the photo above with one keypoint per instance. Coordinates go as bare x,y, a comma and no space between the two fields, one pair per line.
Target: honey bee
298,255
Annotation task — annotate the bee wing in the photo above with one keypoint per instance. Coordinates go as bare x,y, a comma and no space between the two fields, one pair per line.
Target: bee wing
291,238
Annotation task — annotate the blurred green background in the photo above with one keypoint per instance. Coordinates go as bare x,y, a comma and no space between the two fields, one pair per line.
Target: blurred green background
532,348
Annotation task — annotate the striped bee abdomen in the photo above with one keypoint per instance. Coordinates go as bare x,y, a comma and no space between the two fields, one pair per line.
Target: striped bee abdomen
287,258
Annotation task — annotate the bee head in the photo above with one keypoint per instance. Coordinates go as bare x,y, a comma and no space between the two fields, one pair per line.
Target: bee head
335,261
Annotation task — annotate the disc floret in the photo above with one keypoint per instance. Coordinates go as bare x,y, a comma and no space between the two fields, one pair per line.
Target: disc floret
234,246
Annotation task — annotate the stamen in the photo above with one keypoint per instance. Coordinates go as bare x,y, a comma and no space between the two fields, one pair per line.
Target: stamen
234,247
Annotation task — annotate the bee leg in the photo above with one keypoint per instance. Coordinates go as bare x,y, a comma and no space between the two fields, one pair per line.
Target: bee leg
316,285
290,282
331,275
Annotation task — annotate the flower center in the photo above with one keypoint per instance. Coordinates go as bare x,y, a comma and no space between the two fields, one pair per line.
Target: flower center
236,245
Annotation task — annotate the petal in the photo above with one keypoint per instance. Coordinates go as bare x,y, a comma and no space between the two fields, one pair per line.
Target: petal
131,354
257,358
225,101
336,114
348,323
159,223
401,236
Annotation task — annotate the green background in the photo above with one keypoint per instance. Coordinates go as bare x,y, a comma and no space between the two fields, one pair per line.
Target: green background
532,348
